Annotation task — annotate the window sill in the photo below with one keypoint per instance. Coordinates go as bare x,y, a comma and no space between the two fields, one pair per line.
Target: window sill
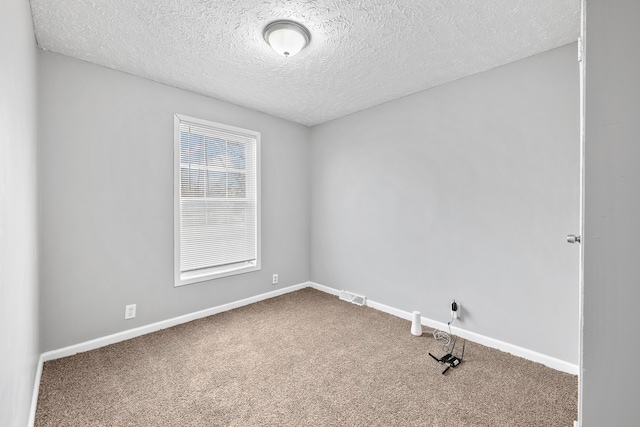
215,273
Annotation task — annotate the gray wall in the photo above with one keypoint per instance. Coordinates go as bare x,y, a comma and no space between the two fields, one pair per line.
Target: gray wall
107,201
18,213
464,191
612,212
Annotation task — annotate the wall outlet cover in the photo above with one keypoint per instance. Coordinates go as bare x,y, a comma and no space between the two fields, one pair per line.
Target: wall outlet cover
129,311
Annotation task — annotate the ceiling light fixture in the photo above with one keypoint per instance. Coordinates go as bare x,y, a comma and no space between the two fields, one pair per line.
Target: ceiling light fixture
286,37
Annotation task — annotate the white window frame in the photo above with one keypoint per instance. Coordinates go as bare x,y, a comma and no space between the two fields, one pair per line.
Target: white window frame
201,275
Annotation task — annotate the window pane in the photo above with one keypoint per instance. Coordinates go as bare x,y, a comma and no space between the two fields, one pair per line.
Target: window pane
194,150
236,153
216,151
217,185
192,182
184,147
236,185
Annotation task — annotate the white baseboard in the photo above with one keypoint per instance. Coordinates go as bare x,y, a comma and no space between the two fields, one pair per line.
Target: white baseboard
36,392
534,356
143,330
549,361
323,288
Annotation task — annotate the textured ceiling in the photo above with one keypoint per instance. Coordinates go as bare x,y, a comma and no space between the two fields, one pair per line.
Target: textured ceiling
362,52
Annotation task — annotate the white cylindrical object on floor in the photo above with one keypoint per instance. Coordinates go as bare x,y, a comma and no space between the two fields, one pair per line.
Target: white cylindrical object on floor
416,326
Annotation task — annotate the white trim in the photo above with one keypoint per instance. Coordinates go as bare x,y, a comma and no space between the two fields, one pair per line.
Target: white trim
531,355
583,76
36,392
525,353
143,330
324,288
176,200
549,361
392,310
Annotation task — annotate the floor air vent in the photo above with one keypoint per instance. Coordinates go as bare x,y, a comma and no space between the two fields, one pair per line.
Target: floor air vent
356,299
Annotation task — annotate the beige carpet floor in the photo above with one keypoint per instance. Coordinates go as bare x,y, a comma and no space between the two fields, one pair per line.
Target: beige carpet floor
301,359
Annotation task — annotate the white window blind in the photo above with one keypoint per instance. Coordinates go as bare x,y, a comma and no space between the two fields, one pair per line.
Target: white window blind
218,200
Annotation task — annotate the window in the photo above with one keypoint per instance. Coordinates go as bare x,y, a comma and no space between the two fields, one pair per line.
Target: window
217,200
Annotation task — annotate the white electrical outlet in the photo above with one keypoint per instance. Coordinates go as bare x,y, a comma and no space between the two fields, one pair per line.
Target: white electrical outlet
129,311
275,279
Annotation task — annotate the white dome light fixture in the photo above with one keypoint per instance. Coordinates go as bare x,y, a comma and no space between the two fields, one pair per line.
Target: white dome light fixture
286,37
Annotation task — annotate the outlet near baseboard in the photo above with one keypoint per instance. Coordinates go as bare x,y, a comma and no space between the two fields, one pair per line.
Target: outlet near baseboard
129,311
